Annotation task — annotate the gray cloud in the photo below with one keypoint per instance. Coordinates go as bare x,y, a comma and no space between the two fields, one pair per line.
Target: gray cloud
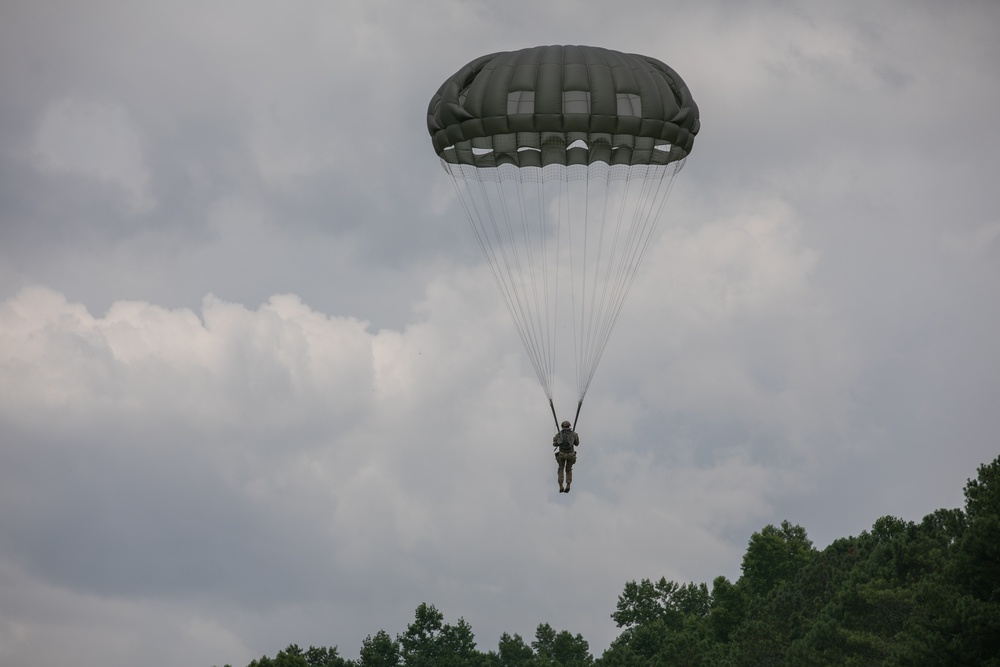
256,386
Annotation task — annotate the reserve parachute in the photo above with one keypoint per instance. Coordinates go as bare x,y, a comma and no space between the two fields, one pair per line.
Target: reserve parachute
563,158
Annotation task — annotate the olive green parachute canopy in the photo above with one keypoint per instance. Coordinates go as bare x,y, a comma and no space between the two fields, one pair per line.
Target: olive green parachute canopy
563,105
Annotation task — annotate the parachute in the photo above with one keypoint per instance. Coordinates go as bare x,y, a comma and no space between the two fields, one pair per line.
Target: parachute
563,158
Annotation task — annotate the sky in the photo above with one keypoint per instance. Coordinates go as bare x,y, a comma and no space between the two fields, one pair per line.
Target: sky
257,386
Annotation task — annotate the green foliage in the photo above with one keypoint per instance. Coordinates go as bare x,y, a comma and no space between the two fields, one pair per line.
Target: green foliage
429,642
665,601
379,651
560,649
293,656
665,624
513,652
957,615
903,593
976,565
774,556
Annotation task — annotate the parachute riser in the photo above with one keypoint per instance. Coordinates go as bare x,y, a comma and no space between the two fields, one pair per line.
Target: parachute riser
576,417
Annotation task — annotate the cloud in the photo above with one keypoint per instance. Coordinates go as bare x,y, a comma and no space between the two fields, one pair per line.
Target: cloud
982,239
99,141
349,426
153,427
177,455
742,334
173,361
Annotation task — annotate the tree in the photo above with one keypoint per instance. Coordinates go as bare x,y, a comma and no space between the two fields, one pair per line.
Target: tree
325,656
420,645
429,642
666,601
774,555
294,656
728,609
976,566
379,651
290,657
514,652
560,649
958,615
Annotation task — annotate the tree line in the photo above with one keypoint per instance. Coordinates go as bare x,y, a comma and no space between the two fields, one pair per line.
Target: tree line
903,593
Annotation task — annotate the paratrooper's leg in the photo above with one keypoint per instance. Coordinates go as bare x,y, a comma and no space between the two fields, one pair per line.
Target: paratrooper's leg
570,459
562,465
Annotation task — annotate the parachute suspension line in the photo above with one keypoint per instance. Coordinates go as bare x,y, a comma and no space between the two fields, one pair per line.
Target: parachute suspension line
537,316
482,214
502,272
655,190
469,204
606,292
657,203
603,266
552,295
527,222
550,272
532,320
566,216
518,276
586,359
580,334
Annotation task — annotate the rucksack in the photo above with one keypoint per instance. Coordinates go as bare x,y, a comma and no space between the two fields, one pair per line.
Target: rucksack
566,440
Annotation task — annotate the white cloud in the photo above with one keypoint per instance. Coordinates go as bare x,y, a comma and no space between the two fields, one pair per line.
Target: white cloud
308,445
262,369
728,311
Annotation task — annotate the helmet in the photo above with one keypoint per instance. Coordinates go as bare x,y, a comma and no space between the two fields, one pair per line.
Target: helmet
566,425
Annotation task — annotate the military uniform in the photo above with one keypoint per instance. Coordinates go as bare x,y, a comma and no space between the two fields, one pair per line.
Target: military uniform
564,441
